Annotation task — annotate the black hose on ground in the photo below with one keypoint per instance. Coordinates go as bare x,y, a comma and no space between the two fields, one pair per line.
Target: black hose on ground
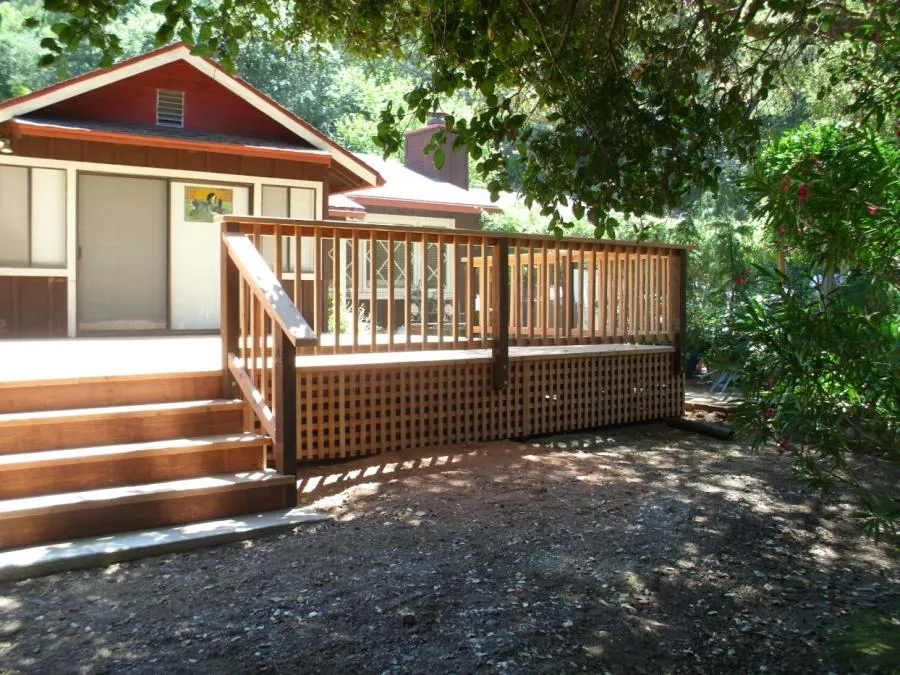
718,431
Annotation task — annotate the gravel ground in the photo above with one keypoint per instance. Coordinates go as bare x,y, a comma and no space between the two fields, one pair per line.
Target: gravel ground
642,549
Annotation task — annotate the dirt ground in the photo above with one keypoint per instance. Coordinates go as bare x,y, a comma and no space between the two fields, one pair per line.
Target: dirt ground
642,549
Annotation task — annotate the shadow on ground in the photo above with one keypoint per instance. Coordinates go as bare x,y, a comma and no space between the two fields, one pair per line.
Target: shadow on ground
641,549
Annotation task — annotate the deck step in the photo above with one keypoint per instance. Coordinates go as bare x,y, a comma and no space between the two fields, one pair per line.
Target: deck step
80,427
47,518
52,471
96,392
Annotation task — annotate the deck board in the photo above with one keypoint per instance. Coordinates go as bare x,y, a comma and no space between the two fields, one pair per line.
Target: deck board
90,358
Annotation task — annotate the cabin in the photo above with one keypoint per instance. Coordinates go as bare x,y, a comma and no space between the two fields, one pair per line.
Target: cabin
247,297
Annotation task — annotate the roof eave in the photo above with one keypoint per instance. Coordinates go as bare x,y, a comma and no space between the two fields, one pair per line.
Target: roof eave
450,207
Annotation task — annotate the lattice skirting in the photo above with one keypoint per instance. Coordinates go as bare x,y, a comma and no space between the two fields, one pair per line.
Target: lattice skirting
363,411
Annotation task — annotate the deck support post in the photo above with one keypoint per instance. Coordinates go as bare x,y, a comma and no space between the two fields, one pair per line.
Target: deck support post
229,312
500,345
285,405
677,309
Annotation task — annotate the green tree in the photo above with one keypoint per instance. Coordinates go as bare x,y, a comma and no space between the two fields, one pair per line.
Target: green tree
609,105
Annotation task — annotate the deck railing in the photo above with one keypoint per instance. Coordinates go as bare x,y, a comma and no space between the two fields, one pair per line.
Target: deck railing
261,332
364,287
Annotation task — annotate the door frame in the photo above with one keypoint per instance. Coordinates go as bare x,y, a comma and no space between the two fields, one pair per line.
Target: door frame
77,263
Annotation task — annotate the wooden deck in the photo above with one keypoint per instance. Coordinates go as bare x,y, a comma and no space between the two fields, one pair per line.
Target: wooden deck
487,337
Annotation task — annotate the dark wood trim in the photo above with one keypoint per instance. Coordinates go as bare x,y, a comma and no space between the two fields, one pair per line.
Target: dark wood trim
23,129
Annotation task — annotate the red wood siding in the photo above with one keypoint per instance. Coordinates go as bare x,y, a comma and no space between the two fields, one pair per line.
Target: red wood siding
33,307
208,106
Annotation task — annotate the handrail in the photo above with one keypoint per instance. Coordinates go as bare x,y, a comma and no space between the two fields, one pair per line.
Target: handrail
261,323
342,225
268,290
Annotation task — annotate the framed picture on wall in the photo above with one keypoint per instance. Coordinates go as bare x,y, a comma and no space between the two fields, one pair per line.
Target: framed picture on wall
202,204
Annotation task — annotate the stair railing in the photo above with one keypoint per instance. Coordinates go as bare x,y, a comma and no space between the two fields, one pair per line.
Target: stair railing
261,331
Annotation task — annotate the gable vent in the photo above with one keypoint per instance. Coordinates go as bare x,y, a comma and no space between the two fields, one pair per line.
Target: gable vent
169,108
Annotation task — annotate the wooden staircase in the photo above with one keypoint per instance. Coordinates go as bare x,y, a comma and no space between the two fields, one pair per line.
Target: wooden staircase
81,458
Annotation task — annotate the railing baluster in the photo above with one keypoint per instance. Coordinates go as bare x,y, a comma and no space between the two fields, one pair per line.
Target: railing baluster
545,291
373,295
319,306
440,291
390,290
582,293
279,262
667,304
354,287
592,293
337,273
470,292
407,290
603,305
423,302
298,275
613,302
484,300
639,290
636,296
454,267
532,289
567,295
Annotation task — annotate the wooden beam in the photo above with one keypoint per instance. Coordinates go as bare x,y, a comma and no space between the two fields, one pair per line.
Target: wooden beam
677,300
285,402
230,281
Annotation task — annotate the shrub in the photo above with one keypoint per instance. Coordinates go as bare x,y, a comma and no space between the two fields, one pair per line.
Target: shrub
820,379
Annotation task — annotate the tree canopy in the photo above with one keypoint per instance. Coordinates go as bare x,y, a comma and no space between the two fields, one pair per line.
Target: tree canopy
605,106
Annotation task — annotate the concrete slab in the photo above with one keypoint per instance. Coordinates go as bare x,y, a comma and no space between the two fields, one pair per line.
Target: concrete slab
35,561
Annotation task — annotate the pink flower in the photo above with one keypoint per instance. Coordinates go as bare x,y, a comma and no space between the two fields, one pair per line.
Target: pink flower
783,446
803,192
740,280
786,182
872,209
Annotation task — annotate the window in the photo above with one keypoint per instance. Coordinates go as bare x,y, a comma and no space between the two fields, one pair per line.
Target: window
169,108
284,202
33,217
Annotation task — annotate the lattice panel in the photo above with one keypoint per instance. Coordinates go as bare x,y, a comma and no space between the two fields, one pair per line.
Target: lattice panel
363,411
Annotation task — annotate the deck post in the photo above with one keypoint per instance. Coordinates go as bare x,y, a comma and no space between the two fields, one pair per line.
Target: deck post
677,305
229,312
500,345
285,405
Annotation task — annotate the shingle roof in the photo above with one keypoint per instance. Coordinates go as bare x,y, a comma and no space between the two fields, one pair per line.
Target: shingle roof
405,185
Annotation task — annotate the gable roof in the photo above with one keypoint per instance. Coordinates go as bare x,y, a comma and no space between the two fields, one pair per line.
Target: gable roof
96,79
405,188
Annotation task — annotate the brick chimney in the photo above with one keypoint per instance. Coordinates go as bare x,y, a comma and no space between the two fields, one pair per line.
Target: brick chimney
456,164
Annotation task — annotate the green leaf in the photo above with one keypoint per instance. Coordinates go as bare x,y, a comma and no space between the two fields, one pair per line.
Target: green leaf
438,158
